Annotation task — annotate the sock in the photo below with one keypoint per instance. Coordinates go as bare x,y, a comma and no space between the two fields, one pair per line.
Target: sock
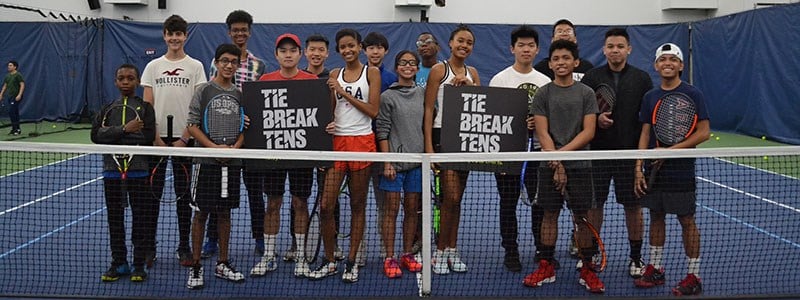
694,266
636,249
546,253
269,244
300,252
656,255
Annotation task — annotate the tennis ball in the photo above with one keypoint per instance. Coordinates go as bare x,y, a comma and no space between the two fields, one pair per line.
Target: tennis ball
712,134
717,138
763,138
54,125
766,157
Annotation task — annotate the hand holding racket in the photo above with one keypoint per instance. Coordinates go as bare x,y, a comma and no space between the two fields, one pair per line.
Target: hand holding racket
223,123
674,119
128,118
606,99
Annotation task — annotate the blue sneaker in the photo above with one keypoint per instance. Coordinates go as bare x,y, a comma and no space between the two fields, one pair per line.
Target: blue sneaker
115,272
209,248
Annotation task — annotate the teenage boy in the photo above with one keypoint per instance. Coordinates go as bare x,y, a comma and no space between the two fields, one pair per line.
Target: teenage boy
375,47
14,85
565,113
250,68
564,30
287,53
675,187
169,83
619,129
120,129
207,193
520,75
428,50
316,53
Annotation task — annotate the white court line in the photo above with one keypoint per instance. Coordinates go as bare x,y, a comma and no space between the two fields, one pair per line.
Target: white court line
42,166
755,168
754,227
50,196
31,242
770,201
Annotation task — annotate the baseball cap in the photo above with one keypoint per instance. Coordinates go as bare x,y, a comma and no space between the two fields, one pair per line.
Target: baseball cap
669,48
281,37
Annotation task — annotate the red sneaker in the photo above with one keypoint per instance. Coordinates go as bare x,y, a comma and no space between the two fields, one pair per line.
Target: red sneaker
650,278
690,285
590,280
391,268
546,273
410,262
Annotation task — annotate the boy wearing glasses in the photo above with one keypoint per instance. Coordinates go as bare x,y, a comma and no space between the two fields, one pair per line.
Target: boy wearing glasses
564,30
250,69
287,52
169,83
428,50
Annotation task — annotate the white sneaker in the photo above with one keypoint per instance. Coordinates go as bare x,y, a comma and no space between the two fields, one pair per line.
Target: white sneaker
195,278
323,270
301,269
454,260
225,271
440,263
636,267
267,264
350,274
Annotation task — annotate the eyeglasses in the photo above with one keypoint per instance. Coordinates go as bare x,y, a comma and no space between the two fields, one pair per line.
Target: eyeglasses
425,42
225,61
565,31
404,62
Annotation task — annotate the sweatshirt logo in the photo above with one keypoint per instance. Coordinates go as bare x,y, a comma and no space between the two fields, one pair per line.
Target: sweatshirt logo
175,72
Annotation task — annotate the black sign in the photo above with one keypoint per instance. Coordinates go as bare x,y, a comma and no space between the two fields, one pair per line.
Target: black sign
288,115
484,119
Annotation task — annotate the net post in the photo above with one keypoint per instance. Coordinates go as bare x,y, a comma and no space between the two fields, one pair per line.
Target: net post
427,221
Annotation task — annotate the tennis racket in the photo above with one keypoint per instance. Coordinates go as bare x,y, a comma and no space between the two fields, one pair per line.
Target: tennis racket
606,98
344,197
119,115
156,188
523,190
674,119
580,222
223,122
313,237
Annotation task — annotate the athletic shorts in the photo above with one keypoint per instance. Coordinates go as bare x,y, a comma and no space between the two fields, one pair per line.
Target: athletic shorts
300,181
359,143
579,187
680,203
622,171
409,181
207,188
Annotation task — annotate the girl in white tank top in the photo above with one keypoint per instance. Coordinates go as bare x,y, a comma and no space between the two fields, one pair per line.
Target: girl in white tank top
350,121
455,72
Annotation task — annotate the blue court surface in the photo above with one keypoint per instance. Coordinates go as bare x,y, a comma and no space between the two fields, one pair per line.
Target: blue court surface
55,243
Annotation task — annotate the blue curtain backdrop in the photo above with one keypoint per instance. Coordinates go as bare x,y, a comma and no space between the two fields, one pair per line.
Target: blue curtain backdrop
738,61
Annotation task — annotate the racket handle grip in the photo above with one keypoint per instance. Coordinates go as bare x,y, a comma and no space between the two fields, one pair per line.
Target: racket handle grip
169,128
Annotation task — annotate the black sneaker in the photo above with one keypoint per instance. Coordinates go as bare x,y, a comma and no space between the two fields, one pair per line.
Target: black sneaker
512,263
115,272
139,274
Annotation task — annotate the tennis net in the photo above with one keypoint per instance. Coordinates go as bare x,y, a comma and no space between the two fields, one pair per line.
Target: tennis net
56,242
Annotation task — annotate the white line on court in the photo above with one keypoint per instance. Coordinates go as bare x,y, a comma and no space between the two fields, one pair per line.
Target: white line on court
42,166
773,202
50,196
755,168
31,242
754,227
